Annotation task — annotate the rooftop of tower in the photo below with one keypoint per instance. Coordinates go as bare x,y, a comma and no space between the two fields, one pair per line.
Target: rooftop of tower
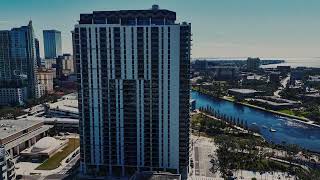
113,17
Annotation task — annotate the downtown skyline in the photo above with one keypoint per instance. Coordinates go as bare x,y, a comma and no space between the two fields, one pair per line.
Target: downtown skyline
221,28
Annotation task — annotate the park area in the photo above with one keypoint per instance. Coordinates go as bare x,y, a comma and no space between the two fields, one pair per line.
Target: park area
55,161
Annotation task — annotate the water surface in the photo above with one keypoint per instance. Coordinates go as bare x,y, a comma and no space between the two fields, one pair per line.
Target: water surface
287,130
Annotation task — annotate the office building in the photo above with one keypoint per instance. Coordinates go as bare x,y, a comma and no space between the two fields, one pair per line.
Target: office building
223,73
7,168
45,79
274,77
52,44
200,65
64,66
253,64
13,95
37,46
73,52
284,69
17,58
133,74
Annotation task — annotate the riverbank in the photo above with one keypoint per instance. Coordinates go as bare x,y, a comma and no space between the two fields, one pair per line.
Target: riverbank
294,118
241,147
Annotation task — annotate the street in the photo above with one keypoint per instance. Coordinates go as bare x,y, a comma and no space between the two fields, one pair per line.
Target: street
284,82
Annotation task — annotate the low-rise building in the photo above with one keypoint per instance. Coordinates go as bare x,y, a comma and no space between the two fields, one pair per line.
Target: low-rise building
65,107
254,79
61,124
313,81
61,119
311,97
17,135
44,149
275,103
244,93
9,96
225,72
284,69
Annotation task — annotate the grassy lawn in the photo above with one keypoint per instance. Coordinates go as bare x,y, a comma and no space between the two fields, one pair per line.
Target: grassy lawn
293,113
55,160
287,111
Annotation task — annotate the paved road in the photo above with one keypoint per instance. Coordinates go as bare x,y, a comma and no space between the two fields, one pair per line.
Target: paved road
284,82
70,164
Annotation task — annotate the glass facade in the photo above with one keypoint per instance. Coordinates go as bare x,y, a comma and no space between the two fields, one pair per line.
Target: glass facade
52,44
18,58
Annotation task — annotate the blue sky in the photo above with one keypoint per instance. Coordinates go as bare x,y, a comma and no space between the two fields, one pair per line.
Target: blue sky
221,28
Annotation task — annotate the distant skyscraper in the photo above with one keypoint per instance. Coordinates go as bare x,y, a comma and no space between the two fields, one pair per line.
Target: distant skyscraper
37,52
52,44
74,52
18,59
133,72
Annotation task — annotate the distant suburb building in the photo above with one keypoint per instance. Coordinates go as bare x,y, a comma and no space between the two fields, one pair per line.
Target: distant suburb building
275,103
133,76
225,72
52,44
253,64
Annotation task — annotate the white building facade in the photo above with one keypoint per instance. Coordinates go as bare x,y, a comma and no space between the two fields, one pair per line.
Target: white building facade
133,74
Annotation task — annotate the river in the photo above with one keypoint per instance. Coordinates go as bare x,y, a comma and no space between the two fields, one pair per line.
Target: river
287,130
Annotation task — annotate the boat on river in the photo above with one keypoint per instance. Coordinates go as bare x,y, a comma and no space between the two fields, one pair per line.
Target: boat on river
272,130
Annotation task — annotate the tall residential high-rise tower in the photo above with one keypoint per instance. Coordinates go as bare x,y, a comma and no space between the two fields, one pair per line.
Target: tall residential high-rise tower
18,60
52,44
133,74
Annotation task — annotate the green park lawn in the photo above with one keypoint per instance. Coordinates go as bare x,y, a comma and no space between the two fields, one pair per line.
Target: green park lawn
55,161
293,113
